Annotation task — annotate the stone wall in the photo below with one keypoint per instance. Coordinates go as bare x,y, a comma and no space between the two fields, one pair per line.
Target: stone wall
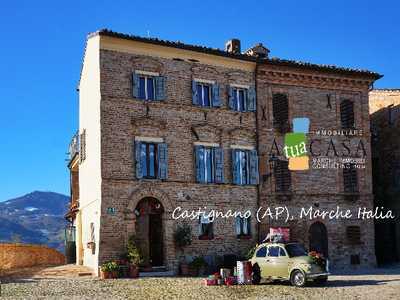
180,124
14,256
317,96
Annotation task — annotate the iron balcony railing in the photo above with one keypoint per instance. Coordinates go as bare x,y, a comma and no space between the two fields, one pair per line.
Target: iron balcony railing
73,148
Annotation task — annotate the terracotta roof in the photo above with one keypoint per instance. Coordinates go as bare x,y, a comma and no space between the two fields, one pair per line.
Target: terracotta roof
241,56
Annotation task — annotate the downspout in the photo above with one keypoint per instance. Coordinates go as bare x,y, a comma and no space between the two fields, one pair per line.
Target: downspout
258,149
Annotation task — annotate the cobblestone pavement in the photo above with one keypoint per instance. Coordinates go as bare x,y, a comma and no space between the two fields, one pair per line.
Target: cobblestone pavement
374,284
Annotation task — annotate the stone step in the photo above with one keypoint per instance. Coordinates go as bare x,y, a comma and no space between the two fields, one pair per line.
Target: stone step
156,274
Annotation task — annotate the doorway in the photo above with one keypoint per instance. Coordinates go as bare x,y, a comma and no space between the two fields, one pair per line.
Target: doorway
149,231
318,238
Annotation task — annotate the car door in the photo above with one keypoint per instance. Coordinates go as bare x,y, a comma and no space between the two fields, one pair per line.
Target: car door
281,265
260,259
271,261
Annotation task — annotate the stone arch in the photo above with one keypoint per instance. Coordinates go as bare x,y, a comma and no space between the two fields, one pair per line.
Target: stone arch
148,191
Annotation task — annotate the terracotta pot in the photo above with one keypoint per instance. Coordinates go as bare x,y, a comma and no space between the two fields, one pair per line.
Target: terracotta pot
184,269
105,274
114,274
133,271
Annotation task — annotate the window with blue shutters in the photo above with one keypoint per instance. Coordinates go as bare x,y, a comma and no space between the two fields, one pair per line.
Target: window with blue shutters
148,87
209,164
151,160
242,226
242,99
205,94
244,167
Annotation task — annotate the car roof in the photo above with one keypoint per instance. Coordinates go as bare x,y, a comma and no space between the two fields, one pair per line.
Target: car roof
279,243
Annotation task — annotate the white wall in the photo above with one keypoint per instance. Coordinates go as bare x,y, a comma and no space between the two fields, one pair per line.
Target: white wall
90,168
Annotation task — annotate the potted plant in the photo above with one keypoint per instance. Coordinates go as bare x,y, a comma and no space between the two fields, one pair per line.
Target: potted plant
183,238
134,258
197,266
109,270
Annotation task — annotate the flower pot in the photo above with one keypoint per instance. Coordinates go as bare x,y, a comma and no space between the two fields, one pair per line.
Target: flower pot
133,271
184,269
105,274
114,274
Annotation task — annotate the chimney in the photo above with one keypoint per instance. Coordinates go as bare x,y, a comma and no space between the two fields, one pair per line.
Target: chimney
259,51
233,46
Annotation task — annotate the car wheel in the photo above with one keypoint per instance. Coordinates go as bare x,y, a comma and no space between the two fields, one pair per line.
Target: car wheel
298,278
321,280
256,276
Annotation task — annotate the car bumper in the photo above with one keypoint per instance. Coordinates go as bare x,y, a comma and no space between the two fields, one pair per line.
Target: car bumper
316,275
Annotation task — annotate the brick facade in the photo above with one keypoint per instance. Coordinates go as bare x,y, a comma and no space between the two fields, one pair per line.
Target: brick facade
180,124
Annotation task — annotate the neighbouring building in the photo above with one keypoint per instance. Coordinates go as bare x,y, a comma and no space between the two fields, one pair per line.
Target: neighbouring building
385,127
166,125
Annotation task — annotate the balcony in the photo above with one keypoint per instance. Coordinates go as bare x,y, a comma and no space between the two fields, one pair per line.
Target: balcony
73,148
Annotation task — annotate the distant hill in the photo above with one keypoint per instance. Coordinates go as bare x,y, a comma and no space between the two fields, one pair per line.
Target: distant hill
36,218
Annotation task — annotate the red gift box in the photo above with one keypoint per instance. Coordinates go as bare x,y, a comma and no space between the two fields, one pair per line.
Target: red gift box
210,282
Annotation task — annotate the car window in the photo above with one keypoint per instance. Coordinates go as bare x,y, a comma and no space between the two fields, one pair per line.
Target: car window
262,252
282,252
273,251
295,250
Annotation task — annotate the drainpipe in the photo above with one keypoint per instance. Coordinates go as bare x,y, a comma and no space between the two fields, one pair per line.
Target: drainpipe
258,148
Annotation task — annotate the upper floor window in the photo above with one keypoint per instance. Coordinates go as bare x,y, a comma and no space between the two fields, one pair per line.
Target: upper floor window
280,112
205,94
353,234
206,230
242,99
148,87
151,160
282,176
347,114
209,164
244,166
82,146
242,226
350,181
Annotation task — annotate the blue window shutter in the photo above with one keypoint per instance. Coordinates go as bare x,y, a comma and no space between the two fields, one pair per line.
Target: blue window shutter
135,85
251,99
216,100
231,96
162,161
200,167
219,165
237,225
235,167
195,97
139,170
253,167
160,87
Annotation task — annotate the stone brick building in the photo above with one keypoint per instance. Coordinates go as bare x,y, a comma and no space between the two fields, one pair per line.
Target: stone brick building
165,125
385,127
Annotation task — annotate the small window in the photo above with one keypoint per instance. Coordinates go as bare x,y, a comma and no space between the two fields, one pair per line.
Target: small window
240,99
148,158
262,252
350,181
146,87
82,146
273,251
206,231
92,236
282,252
347,114
282,176
209,164
280,112
243,226
353,234
204,94
244,166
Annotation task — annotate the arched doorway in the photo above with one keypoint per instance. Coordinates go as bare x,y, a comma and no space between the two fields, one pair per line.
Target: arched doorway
149,231
318,238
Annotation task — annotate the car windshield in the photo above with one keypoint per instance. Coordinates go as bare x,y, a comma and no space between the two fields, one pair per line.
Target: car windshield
294,250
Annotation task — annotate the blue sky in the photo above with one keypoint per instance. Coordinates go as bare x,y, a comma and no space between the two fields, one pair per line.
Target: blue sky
43,41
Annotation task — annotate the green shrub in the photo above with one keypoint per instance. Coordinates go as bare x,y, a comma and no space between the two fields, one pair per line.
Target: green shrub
133,254
110,266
